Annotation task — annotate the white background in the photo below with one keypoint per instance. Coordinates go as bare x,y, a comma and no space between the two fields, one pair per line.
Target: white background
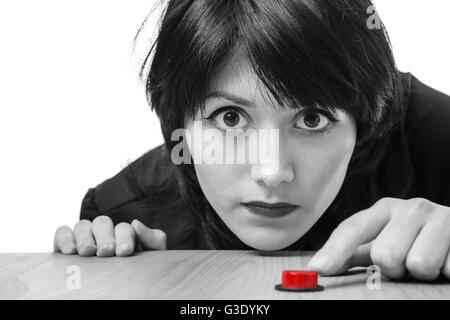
73,113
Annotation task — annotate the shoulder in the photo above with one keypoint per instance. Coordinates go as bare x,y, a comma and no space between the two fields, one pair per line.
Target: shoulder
427,120
427,132
426,108
148,190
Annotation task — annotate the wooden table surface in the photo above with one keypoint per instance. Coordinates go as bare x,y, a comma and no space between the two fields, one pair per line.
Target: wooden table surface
186,274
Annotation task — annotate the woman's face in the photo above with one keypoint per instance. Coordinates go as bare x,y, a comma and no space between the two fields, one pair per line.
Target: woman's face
312,156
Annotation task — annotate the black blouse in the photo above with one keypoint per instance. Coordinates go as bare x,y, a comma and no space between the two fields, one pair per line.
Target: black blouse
416,163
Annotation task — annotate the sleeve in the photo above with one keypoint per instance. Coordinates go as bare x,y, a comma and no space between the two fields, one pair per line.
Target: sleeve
147,189
428,135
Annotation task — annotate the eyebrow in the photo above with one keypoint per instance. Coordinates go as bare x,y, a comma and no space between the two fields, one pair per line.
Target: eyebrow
231,97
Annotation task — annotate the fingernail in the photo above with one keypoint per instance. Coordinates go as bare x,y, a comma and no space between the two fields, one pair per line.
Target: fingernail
88,249
320,263
67,249
124,247
106,246
105,249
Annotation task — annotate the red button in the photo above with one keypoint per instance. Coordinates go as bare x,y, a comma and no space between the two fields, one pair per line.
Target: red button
299,279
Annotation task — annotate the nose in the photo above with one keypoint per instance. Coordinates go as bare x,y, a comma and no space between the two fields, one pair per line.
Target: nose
273,177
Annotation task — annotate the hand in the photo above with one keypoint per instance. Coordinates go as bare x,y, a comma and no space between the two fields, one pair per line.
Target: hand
396,235
101,238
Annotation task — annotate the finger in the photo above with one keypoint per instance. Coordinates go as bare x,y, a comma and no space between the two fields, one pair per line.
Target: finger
103,230
150,239
428,254
357,230
446,267
84,238
64,241
361,257
392,245
125,238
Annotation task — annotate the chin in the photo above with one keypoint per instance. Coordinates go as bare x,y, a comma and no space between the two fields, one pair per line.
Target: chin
268,243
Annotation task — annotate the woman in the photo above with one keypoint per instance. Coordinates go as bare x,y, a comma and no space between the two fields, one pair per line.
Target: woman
362,148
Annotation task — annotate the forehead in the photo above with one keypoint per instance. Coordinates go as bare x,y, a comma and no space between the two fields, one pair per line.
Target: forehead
238,78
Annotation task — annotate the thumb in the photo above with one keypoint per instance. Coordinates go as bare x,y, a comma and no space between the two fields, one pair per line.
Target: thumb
360,258
150,239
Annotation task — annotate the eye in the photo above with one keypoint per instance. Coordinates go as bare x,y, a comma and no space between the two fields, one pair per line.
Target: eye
228,118
312,121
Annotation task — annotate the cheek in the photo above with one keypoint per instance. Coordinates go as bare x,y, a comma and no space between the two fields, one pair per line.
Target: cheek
218,183
322,169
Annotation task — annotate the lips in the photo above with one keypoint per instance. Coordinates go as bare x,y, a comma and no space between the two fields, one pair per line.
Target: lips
274,210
